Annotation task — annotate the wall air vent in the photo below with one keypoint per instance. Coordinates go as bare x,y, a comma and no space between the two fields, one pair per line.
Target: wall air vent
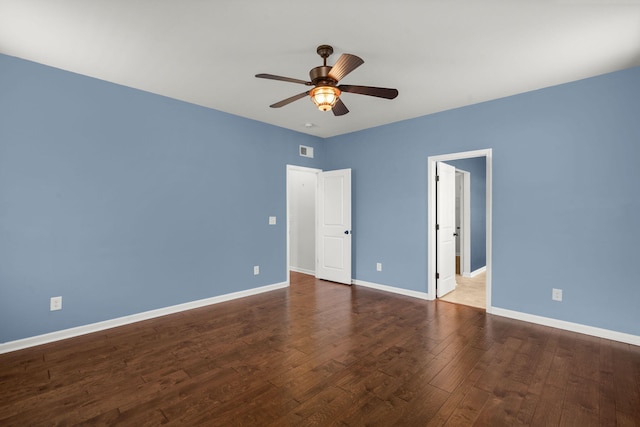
306,151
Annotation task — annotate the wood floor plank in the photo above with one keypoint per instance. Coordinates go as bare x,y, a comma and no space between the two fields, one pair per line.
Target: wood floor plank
524,417
504,404
549,409
583,393
326,407
452,375
626,376
319,353
500,365
420,409
469,408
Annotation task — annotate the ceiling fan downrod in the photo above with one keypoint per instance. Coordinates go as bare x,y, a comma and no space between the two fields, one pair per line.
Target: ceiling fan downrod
324,51
320,75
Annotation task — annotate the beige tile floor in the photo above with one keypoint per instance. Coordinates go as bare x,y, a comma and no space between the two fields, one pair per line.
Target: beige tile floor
469,291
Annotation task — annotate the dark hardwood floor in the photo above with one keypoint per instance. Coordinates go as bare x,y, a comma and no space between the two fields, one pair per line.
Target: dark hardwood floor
319,353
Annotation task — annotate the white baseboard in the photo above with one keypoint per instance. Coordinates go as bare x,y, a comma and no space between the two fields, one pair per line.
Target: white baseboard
121,321
406,292
531,318
475,272
125,320
303,271
568,326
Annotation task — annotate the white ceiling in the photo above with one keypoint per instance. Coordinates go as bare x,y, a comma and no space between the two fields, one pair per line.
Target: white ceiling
439,54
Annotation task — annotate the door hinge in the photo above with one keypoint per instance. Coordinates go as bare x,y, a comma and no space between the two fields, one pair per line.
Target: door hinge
437,178
437,275
437,227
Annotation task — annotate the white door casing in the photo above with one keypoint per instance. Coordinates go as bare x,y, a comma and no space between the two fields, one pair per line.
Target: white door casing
431,218
446,228
333,254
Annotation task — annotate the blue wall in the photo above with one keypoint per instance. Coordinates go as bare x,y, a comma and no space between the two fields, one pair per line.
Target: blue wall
122,201
565,176
477,168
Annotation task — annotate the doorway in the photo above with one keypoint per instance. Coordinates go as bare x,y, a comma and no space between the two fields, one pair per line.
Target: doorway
431,213
301,219
319,223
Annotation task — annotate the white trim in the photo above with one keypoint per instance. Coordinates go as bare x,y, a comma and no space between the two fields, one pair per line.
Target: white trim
431,216
568,326
393,289
476,272
125,320
525,317
303,271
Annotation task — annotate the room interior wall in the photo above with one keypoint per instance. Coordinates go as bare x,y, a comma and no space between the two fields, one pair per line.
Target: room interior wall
564,167
122,201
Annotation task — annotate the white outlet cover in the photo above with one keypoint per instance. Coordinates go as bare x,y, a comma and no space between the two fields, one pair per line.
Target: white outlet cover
556,294
272,220
379,266
256,270
55,303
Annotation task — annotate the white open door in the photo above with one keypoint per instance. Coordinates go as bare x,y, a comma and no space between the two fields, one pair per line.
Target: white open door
446,229
333,261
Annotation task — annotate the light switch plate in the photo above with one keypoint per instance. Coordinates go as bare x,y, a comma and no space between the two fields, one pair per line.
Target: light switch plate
55,303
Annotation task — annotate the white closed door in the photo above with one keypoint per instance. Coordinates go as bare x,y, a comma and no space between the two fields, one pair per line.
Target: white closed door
333,261
445,229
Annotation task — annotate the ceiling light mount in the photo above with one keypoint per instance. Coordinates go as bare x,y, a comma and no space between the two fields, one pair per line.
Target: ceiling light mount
324,51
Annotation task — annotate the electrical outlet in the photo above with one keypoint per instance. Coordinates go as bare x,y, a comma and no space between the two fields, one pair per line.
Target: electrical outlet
55,304
378,266
256,270
556,294
272,220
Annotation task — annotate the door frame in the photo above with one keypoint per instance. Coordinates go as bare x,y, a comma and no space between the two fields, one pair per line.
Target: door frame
288,183
431,217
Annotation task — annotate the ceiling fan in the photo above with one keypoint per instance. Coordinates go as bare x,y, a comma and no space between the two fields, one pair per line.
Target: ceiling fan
324,79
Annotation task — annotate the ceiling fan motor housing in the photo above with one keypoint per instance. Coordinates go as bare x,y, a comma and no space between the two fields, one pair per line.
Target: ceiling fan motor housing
320,76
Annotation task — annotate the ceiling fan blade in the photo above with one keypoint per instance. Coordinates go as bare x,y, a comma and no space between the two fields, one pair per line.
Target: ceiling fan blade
284,79
339,109
380,92
289,100
345,64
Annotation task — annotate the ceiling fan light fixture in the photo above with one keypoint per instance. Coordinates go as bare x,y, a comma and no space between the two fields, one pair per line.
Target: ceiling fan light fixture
325,92
325,97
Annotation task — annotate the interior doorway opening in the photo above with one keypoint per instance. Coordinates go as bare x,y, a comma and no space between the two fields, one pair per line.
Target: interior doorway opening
318,222
431,237
301,219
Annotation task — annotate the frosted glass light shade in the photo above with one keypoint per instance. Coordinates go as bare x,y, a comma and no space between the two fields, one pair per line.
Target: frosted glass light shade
325,97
